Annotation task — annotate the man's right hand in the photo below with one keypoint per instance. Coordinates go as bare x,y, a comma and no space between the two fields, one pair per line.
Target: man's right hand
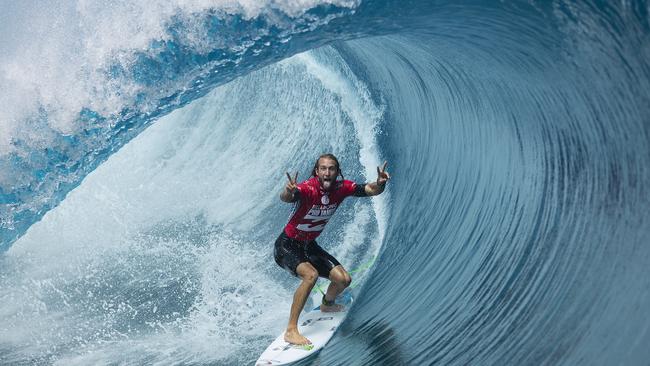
292,186
291,189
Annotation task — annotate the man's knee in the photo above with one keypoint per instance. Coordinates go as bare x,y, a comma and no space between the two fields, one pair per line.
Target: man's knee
310,276
307,273
344,280
347,280
339,276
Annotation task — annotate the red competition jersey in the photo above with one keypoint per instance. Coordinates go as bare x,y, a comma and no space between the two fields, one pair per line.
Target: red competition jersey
316,207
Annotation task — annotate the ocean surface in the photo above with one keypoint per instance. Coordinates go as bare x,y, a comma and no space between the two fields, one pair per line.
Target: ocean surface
143,146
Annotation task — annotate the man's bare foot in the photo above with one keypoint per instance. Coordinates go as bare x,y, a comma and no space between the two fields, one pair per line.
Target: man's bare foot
292,336
331,308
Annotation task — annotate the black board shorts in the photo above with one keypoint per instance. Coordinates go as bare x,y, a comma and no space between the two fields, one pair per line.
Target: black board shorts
289,253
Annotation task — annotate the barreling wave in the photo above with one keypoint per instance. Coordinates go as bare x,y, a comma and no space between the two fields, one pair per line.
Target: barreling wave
513,232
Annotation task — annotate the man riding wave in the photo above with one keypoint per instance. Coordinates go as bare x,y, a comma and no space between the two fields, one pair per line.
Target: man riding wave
296,249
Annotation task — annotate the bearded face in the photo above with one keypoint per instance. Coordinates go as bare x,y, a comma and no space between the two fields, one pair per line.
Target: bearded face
327,171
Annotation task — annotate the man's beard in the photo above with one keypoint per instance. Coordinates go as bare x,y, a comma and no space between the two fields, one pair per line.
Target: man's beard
326,184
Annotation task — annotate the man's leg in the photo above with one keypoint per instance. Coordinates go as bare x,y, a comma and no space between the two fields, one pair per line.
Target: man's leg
340,280
309,275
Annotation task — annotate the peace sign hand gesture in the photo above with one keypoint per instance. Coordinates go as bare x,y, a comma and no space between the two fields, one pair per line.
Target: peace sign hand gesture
382,175
292,185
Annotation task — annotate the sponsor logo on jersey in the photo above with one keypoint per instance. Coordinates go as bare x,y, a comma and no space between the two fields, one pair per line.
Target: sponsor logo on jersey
317,217
325,199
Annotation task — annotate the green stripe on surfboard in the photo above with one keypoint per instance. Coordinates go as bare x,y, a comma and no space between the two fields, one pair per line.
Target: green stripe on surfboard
306,347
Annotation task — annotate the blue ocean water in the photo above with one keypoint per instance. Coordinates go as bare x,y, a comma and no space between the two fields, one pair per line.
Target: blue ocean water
144,144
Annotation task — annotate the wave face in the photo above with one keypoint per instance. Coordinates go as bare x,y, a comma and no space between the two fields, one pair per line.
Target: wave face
514,230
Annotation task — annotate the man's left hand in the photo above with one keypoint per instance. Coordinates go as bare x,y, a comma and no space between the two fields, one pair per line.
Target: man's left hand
382,175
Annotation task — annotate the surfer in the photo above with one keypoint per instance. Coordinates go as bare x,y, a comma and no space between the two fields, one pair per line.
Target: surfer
296,249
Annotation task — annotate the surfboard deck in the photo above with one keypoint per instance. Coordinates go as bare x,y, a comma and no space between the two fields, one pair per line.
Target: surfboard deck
317,326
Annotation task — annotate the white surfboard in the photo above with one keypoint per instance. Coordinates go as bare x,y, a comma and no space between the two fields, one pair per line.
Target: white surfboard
317,326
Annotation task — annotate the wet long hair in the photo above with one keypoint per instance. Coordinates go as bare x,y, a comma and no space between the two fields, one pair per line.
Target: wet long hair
328,156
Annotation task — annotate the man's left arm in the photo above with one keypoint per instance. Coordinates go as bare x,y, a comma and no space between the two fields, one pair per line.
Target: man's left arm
374,188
